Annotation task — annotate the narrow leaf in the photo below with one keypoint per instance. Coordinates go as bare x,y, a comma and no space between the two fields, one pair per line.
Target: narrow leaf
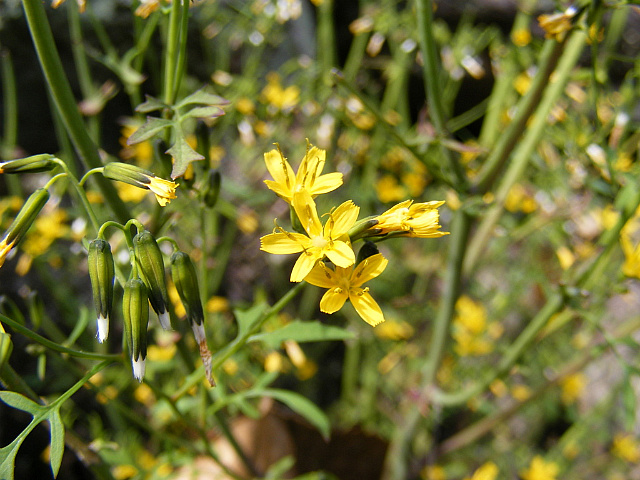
152,126
204,112
21,402
57,441
302,332
151,104
300,405
8,458
246,318
203,98
183,155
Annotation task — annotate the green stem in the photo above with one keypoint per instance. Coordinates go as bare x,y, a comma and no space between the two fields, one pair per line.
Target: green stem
10,110
62,95
524,152
54,346
81,193
326,45
171,58
239,342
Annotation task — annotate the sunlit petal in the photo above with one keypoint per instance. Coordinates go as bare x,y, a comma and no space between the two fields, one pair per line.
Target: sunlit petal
341,254
369,268
281,171
303,266
279,189
307,213
281,243
333,300
367,307
344,217
326,183
321,276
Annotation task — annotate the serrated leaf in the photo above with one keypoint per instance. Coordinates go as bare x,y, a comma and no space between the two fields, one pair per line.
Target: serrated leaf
21,402
204,98
57,441
204,112
300,405
246,318
151,104
151,127
183,155
302,332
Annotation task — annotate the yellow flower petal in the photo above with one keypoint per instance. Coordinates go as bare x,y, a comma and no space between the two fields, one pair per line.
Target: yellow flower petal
333,300
283,177
326,183
282,243
341,254
303,266
164,190
342,219
321,276
369,268
366,307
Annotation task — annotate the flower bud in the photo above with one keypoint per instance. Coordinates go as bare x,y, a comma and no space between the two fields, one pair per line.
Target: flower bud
33,164
164,190
212,188
184,277
22,222
6,346
135,309
149,258
102,275
364,228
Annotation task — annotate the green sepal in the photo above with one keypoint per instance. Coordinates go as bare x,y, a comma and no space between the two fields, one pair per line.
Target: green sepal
102,275
185,279
149,259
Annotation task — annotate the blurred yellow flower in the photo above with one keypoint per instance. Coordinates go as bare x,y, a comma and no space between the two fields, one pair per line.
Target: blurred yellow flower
81,4
331,240
539,469
156,353
389,190
394,330
279,98
309,176
520,392
245,106
144,394
520,200
626,447
556,25
631,265
572,387
521,37
565,257
141,153
433,472
305,368
487,471
147,7
217,304
412,219
273,362
123,472
49,226
346,284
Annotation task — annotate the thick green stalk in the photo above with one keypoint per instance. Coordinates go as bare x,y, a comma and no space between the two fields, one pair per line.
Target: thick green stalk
326,38
62,95
171,57
524,151
10,104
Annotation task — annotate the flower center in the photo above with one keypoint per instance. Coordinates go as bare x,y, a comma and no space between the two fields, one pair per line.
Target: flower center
319,241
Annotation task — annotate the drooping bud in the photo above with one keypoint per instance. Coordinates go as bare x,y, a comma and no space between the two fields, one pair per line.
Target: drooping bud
164,190
149,258
22,222
102,275
184,277
212,188
34,164
135,310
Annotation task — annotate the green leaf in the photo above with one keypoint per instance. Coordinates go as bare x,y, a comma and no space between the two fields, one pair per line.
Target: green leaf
300,405
8,458
151,127
21,402
203,98
151,104
302,332
57,440
204,112
629,402
183,155
246,318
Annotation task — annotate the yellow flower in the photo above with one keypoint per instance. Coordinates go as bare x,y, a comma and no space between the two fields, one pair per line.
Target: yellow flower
164,190
146,8
331,240
5,248
626,447
540,470
278,97
346,283
389,190
572,387
556,25
631,265
487,471
521,37
81,4
412,219
285,183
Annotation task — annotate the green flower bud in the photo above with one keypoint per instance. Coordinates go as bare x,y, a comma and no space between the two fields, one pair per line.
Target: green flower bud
135,309
33,164
184,277
23,221
102,275
149,258
212,188
364,228
6,346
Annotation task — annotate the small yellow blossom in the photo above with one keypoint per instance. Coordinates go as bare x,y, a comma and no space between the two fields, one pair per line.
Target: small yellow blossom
305,368
521,37
631,265
520,392
273,362
389,190
346,284
157,353
433,472
487,471
394,330
540,470
146,8
556,25
230,367
279,98
5,248
498,388
81,4
144,394
123,472
245,106
565,257
164,190
572,387
331,240
412,219
217,304
520,200
626,447
309,176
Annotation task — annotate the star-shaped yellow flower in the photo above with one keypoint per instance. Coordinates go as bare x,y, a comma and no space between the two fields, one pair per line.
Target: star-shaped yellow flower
346,283
412,220
285,183
331,240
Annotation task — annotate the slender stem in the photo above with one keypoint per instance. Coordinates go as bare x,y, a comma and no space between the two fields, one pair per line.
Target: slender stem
62,95
172,53
54,346
81,193
10,104
326,36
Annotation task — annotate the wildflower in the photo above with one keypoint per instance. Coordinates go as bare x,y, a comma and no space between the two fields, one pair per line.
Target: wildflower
389,190
149,258
521,37
540,470
146,8
102,276
279,98
346,283
572,386
27,215
135,309
285,183
470,327
631,265
556,25
331,240
487,471
626,447
164,190
305,368
412,220
81,4
34,164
